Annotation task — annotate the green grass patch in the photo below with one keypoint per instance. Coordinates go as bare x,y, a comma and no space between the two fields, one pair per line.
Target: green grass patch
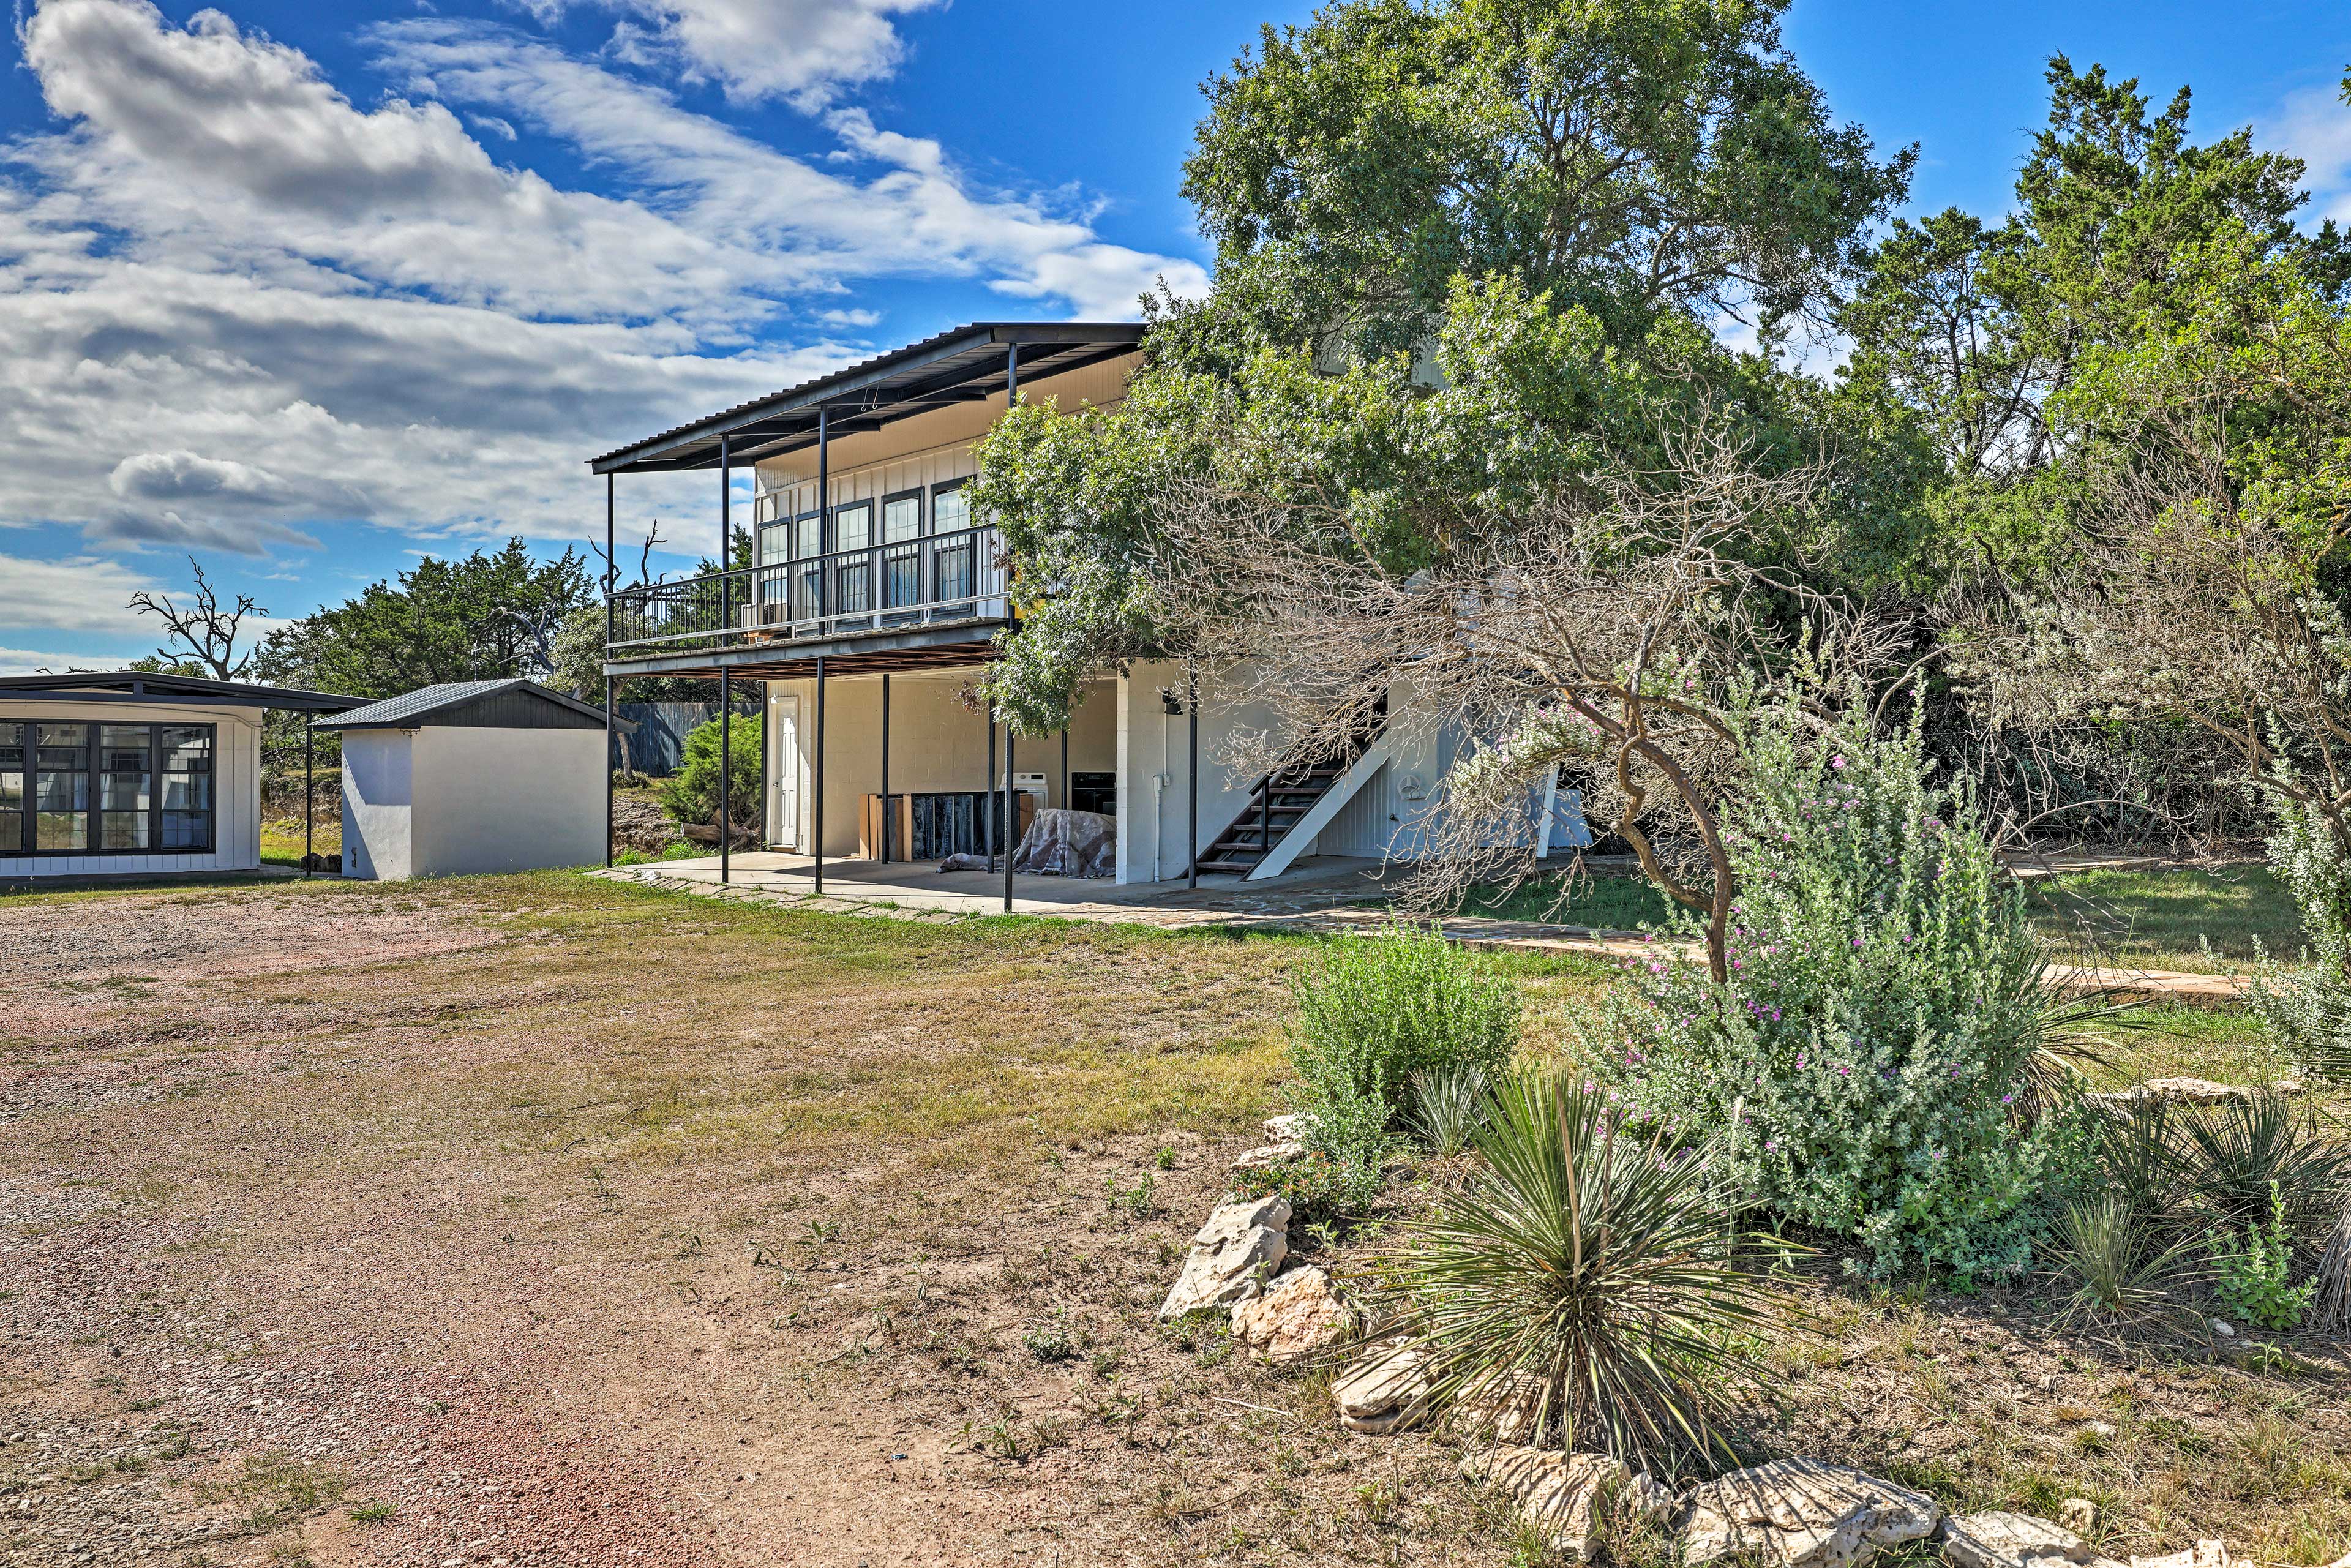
2162,919
1603,903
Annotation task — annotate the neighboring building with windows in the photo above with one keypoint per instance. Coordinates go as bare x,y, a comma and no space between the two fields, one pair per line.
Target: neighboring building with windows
126,774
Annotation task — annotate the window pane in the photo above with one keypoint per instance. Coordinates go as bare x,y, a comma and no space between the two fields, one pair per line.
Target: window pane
852,527
12,786
185,822
901,519
950,510
61,786
775,544
124,786
811,539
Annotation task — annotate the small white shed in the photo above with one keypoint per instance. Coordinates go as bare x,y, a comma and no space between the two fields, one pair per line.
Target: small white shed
472,776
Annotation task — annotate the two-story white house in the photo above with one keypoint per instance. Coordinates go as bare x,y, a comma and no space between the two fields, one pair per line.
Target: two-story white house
876,594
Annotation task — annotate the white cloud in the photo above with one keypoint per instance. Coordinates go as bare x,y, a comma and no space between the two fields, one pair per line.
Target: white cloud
2315,125
237,307
81,593
803,50
25,662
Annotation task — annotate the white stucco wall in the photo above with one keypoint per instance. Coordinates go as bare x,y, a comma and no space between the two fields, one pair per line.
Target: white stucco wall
451,800
1389,816
237,786
378,791
935,744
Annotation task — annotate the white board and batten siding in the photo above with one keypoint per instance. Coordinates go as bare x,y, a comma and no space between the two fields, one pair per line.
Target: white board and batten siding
236,789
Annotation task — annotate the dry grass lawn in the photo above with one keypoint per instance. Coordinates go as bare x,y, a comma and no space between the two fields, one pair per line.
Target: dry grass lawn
542,1219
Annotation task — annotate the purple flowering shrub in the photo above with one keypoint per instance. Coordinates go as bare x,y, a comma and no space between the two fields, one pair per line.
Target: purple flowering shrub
1884,1002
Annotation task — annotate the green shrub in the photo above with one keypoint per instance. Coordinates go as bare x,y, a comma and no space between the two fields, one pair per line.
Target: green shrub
2109,1259
690,795
2256,1277
1377,1010
1451,1107
2307,1005
1885,1004
2239,1161
1589,1265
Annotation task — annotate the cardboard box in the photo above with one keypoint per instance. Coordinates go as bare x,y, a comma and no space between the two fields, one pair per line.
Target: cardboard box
869,827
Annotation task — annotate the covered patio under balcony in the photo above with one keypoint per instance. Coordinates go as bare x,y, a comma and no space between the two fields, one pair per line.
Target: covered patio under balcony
853,588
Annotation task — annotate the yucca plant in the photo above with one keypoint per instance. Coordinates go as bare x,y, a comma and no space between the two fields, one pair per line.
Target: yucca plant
1450,1106
2140,1166
2105,1246
1588,1265
2231,1156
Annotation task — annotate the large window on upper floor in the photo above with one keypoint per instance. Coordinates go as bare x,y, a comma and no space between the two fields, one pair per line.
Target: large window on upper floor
72,787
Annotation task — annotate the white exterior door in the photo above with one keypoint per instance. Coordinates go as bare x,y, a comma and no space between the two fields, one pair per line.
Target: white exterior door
784,774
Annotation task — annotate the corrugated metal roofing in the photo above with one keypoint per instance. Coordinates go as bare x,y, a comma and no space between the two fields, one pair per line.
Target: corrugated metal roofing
898,381
417,709
132,683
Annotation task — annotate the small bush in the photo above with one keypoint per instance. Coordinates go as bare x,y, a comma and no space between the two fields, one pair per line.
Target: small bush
1590,1264
690,795
1347,1149
2256,1277
1878,1033
1379,1009
2105,1252
2307,1005
1452,1106
2239,1161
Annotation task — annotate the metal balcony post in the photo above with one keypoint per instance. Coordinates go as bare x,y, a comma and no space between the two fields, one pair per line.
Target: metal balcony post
611,578
823,516
726,765
1011,817
818,834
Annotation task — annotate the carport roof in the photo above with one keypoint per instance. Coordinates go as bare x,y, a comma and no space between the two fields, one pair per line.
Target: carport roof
428,704
140,686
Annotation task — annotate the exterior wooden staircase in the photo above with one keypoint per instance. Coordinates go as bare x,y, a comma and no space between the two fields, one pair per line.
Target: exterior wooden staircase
1305,792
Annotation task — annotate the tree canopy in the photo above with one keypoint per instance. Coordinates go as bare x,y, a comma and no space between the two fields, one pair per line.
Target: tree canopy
483,616
1469,255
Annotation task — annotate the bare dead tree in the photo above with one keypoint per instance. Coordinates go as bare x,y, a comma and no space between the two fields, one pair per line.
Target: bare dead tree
207,631
611,574
1610,630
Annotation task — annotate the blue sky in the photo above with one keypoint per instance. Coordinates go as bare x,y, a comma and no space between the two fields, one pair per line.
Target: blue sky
306,290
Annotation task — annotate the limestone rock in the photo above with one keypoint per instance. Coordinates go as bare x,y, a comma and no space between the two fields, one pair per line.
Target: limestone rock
2193,1091
1279,1153
1998,1539
1385,1389
1645,1497
1289,1129
1297,1315
1240,1244
1560,1494
1503,1411
2203,1554
1798,1513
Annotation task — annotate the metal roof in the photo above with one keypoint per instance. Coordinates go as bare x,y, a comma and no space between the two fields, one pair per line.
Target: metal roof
139,685
968,364
416,709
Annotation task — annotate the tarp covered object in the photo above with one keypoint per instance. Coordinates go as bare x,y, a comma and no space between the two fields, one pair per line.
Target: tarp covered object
1069,843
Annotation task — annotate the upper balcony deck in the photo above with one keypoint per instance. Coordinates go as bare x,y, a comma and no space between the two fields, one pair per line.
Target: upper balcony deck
869,575
931,590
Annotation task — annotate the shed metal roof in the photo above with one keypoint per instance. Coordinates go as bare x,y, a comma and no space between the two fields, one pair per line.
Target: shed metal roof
422,707
967,364
139,685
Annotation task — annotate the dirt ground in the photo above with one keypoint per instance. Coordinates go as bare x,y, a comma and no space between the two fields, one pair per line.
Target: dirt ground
544,1220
